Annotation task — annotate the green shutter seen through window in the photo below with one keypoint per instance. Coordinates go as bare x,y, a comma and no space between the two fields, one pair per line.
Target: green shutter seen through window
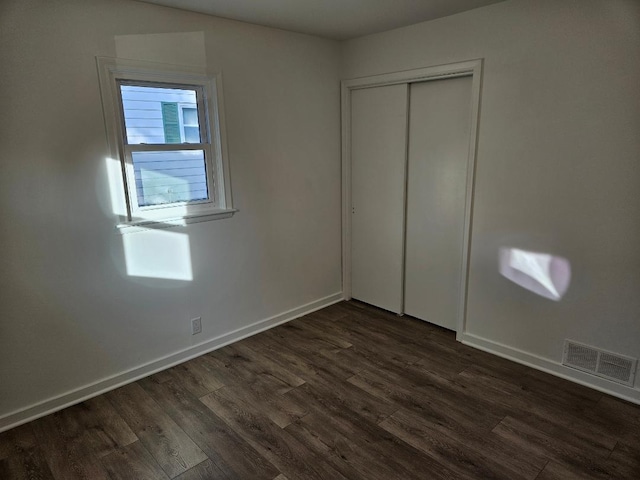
170,122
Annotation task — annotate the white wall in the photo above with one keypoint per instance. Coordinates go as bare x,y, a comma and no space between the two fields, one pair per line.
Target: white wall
70,312
557,162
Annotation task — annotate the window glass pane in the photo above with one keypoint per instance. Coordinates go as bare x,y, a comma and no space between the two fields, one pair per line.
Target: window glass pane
191,135
151,114
190,116
170,177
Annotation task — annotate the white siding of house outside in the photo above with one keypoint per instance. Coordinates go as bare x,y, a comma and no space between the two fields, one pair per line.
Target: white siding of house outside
169,177
161,176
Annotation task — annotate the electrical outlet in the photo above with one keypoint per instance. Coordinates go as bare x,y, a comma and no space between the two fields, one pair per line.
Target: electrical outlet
196,325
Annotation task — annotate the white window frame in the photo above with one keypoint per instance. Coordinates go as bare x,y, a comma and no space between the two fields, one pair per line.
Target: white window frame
114,72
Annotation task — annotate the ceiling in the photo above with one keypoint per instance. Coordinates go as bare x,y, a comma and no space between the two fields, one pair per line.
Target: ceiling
337,19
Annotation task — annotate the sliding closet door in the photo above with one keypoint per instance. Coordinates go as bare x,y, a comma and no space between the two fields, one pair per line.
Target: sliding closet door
378,158
439,127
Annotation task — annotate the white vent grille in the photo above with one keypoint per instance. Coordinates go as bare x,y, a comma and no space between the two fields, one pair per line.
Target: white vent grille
584,358
611,366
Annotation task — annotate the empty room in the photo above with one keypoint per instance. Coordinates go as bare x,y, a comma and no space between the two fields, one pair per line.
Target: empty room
320,239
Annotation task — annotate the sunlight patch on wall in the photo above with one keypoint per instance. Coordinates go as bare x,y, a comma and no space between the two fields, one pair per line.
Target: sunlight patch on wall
158,254
116,187
542,273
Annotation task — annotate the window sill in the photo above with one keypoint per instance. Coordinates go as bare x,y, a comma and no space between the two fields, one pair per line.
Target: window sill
156,224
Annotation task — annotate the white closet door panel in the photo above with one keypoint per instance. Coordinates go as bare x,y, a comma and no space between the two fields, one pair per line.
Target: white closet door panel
378,158
439,128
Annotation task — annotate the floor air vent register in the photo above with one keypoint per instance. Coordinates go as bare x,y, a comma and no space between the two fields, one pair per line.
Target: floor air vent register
614,367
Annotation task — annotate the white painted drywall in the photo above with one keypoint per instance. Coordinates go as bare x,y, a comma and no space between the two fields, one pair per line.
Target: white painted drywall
557,164
72,312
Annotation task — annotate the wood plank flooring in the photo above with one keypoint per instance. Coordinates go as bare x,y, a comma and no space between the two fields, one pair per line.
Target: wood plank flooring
348,392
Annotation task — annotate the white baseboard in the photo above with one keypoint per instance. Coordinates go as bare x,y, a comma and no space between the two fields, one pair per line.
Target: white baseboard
81,394
549,366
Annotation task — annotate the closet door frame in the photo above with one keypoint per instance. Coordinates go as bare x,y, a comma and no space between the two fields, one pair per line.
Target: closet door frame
471,68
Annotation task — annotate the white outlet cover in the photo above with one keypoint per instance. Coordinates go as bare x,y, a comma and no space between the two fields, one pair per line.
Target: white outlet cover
196,325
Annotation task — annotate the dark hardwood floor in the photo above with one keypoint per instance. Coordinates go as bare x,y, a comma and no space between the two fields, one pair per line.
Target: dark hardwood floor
348,392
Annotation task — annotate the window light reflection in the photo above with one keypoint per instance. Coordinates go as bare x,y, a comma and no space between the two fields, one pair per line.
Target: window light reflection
116,187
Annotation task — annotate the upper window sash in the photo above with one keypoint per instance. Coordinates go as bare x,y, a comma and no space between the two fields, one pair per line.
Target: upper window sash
201,105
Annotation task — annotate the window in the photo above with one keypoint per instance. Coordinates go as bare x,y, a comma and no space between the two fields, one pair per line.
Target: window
189,128
155,114
166,129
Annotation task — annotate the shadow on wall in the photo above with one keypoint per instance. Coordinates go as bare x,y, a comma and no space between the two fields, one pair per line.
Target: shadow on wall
542,273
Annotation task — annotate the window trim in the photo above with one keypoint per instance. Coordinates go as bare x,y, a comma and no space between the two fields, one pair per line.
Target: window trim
112,73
